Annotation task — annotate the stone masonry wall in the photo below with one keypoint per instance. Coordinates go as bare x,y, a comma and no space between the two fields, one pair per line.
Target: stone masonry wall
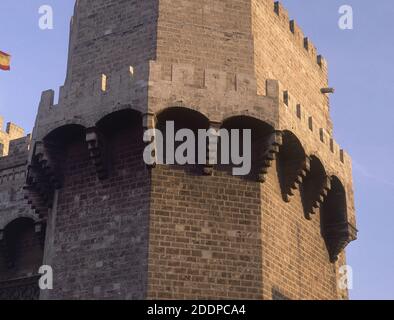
281,53
11,132
107,35
12,180
212,34
172,232
205,236
295,257
100,228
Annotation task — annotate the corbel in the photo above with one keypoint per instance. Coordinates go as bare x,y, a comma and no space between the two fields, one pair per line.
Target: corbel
149,122
98,151
212,148
270,151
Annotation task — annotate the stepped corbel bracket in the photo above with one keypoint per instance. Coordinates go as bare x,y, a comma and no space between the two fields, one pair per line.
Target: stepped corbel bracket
43,178
337,237
46,158
38,192
39,229
212,148
269,154
293,181
149,122
321,196
98,152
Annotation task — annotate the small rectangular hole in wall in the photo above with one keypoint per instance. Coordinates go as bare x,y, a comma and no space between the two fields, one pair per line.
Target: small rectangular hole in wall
306,43
342,156
310,123
292,26
286,98
299,112
103,82
322,135
320,60
276,7
332,145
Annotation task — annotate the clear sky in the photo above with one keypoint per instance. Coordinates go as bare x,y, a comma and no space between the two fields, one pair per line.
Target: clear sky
361,69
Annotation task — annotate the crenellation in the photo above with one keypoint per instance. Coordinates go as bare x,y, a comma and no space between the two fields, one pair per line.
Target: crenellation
11,132
297,32
282,13
299,38
20,145
242,64
301,116
322,62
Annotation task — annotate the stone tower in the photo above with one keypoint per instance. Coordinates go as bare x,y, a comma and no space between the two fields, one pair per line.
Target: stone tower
116,228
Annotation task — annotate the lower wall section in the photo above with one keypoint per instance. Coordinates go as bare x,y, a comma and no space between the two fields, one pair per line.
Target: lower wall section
101,228
227,237
295,261
173,233
205,236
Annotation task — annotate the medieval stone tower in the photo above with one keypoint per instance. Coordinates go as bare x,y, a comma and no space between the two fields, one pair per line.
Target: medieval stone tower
85,203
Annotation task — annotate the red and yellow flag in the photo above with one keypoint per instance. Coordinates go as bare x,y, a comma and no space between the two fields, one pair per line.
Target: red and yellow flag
5,61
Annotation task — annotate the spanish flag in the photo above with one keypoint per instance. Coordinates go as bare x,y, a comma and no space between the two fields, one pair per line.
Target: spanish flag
5,61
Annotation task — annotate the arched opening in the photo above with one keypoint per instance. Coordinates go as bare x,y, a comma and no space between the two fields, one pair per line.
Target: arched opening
21,256
103,220
46,170
120,120
336,230
50,154
314,187
180,131
292,164
119,136
251,152
65,134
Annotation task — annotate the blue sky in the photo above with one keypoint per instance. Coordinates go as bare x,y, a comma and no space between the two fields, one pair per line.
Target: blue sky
361,69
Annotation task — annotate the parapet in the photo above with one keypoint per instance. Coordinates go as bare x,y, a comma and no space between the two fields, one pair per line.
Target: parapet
295,116
17,153
11,132
85,103
217,81
302,41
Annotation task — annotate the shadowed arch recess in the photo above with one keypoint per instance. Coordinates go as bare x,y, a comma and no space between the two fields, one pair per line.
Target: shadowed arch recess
314,187
21,249
335,227
292,164
261,133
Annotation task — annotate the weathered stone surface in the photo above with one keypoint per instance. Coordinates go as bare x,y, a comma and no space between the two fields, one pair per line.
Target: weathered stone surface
119,229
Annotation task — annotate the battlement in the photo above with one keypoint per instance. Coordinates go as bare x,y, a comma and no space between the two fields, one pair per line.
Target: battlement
86,102
135,78
213,80
11,132
93,88
17,153
124,86
300,40
296,115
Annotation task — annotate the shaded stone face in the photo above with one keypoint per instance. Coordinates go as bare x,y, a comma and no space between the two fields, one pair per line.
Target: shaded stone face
109,35
117,228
